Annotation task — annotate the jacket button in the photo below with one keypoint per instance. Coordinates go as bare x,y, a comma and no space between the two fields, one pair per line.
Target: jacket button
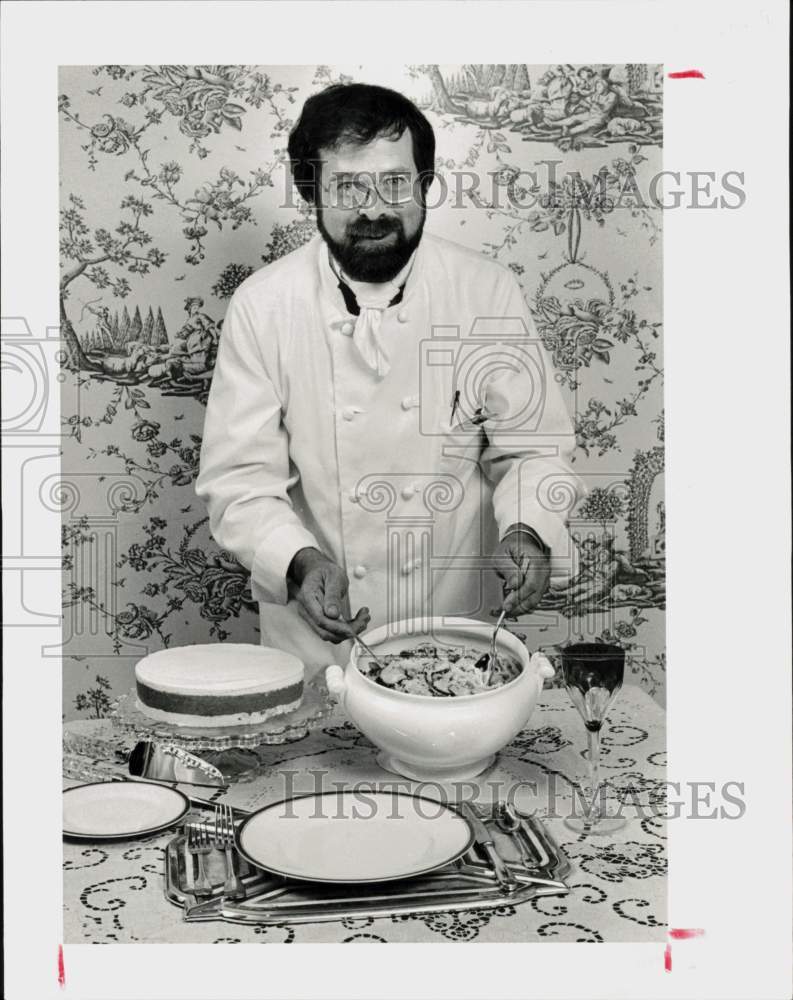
408,492
359,572
353,497
402,315
409,402
347,329
407,569
348,413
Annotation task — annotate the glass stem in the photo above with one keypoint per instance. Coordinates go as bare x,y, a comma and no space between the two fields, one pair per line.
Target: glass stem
593,744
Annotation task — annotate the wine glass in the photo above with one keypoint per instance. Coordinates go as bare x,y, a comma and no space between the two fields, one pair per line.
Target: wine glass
593,673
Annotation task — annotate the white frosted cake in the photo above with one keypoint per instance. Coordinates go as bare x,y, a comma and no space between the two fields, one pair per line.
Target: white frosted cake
221,684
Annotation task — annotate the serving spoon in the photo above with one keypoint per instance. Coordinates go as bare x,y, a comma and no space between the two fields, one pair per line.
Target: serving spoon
362,644
367,650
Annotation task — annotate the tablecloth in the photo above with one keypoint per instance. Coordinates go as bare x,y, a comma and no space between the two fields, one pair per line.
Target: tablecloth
113,892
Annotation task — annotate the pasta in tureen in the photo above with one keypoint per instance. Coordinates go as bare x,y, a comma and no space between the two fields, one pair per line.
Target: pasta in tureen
438,671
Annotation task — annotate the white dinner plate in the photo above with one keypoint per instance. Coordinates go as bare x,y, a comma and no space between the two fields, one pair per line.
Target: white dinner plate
113,809
354,836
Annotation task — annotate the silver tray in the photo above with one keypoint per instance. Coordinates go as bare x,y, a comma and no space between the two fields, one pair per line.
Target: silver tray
312,712
466,884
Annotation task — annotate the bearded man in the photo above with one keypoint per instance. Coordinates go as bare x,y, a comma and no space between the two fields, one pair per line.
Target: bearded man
383,428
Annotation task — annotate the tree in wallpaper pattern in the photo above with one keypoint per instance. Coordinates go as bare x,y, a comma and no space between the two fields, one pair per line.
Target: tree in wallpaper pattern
96,699
199,98
609,577
98,258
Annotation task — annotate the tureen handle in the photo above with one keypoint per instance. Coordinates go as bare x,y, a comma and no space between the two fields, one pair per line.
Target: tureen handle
334,678
543,667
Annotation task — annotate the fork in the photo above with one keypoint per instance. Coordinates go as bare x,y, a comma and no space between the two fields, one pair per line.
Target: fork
198,845
492,661
487,661
488,664
224,837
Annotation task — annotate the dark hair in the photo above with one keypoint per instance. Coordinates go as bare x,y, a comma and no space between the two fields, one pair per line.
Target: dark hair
358,113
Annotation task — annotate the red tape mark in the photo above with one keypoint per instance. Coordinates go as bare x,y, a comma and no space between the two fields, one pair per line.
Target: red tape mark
679,934
687,74
684,933
61,967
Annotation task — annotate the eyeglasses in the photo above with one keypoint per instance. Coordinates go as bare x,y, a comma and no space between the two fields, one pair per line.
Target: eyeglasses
362,190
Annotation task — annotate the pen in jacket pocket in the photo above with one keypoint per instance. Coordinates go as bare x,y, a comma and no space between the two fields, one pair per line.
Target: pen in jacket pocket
455,404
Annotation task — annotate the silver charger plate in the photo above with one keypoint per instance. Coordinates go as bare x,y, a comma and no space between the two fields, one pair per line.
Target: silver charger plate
469,883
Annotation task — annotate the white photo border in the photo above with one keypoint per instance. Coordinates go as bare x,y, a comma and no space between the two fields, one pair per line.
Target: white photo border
726,319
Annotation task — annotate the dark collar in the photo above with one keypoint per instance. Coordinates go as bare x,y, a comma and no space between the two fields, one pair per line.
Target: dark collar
351,303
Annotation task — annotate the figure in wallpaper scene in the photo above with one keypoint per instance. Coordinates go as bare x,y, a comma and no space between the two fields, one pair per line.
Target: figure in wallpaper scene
193,165
570,107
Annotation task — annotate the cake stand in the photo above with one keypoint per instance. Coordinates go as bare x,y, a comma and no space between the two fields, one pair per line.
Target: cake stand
231,749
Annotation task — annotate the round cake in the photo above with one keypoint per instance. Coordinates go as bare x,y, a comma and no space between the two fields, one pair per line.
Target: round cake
222,684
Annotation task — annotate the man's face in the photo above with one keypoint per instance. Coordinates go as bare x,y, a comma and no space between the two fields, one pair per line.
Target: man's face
372,241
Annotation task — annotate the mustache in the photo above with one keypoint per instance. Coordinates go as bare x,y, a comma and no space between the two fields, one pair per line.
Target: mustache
364,229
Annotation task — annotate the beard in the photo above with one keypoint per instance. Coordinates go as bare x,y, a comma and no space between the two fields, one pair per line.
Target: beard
367,253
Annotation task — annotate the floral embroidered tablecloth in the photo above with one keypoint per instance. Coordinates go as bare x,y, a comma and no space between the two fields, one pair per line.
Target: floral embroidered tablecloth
113,892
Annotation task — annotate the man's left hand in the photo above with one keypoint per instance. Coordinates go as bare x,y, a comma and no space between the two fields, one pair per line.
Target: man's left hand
524,566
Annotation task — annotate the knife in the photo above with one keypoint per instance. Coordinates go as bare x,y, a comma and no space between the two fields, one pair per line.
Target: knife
484,838
162,762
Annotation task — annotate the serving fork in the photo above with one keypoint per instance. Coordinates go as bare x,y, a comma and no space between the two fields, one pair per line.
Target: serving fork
199,845
487,661
224,838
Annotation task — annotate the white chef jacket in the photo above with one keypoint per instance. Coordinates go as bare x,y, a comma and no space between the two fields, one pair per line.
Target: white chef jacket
304,445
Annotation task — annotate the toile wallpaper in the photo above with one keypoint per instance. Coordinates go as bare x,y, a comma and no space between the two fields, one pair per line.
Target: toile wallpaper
174,189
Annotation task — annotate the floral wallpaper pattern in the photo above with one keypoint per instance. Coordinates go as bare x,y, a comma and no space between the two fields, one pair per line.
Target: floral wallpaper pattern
174,188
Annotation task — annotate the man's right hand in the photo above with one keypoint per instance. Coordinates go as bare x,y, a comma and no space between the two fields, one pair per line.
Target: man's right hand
322,587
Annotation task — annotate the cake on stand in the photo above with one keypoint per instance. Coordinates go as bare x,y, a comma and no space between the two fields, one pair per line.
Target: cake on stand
231,749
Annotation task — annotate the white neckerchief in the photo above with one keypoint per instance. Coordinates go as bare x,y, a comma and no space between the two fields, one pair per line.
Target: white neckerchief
372,300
